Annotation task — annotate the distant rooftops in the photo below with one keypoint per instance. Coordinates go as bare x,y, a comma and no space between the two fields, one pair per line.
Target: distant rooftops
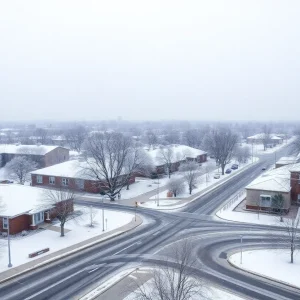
26,149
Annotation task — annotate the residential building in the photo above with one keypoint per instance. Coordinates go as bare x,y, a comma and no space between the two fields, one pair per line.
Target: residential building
287,160
179,154
71,174
43,155
24,208
260,137
260,192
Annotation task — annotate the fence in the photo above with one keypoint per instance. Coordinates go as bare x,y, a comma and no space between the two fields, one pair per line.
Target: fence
232,200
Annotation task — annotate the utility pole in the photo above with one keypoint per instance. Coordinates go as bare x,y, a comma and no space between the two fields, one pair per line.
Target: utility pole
136,204
252,152
8,243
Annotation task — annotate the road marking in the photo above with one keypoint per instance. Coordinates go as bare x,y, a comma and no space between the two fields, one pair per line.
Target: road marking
156,233
124,249
53,285
94,270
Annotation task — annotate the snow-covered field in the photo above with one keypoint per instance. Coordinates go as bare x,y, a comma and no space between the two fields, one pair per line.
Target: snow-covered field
271,263
204,181
79,231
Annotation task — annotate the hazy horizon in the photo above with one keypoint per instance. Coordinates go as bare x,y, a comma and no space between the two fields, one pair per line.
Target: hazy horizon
158,60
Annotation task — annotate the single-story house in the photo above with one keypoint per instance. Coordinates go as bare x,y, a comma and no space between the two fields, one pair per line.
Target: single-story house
177,155
43,155
260,192
23,208
71,174
287,160
259,139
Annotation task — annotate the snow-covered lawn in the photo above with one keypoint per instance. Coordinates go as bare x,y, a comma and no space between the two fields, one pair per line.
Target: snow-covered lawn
211,293
204,181
271,263
227,212
79,231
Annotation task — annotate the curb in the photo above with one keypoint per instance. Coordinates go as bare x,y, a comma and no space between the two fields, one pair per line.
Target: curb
260,275
58,257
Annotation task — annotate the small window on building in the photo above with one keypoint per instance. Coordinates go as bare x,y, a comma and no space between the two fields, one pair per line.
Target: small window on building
5,223
298,200
265,200
51,180
39,179
65,181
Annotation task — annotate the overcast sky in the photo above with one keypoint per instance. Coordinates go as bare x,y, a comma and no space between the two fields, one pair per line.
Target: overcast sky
197,60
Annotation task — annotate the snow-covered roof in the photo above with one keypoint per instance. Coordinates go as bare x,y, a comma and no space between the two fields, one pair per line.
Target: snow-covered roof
70,169
20,199
180,152
286,160
261,136
77,168
276,180
295,168
26,149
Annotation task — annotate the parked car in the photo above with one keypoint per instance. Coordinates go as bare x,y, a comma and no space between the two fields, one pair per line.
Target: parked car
234,166
228,171
217,176
264,168
6,181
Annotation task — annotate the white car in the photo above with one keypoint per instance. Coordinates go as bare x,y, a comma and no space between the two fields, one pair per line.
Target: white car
217,176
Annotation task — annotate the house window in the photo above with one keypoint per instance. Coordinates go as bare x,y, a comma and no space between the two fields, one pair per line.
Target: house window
298,199
39,217
65,181
51,180
5,223
265,200
39,179
80,183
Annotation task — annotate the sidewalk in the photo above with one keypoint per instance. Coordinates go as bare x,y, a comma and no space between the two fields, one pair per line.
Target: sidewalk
69,250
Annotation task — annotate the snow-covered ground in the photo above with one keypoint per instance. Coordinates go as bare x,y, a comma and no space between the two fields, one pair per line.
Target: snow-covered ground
271,263
162,204
211,293
204,181
227,212
3,174
79,231
258,149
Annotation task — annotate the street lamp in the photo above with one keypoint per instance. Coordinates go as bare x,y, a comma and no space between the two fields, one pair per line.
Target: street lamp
8,243
241,249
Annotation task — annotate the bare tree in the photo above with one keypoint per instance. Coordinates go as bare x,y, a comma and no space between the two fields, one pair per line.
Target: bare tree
41,135
75,137
106,157
266,136
191,174
175,280
151,138
291,235
60,203
138,162
221,143
19,168
242,154
172,137
208,168
176,186
278,205
166,156
193,138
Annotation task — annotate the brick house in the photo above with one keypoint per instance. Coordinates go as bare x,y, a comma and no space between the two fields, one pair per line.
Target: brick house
180,154
24,208
295,183
70,174
44,156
